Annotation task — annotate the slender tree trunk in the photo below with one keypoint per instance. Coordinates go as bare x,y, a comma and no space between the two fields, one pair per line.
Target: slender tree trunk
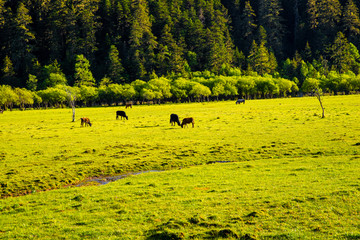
318,95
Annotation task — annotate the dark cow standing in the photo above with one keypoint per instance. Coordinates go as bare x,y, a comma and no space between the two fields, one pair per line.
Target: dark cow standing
128,105
240,100
122,114
1,111
174,119
186,121
85,121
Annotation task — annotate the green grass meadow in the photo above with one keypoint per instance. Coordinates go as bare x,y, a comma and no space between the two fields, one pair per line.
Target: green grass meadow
267,169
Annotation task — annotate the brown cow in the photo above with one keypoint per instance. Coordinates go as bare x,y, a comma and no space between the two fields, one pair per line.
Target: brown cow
85,121
1,111
186,121
128,105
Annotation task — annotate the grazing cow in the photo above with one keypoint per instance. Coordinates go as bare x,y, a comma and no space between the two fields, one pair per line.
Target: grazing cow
174,119
122,114
1,111
128,105
85,121
240,100
186,121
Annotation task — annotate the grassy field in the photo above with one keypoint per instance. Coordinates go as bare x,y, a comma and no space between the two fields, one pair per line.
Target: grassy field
287,173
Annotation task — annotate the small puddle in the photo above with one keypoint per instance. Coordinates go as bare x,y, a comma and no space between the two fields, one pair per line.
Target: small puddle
106,180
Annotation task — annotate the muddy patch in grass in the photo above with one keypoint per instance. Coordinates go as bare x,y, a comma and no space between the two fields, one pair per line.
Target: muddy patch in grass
109,179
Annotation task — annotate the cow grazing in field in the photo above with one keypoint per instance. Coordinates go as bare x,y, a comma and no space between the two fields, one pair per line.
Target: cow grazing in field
85,122
1,111
122,114
174,119
240,100
128,105
186,121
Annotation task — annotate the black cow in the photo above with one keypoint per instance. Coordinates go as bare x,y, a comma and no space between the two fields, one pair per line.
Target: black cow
174,119
240,100
122,114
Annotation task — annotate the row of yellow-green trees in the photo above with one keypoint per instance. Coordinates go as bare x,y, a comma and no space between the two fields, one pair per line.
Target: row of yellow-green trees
201,87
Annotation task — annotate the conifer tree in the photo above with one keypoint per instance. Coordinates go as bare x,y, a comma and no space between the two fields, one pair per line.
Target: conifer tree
341,54
351,22
271,20
170,56
142,41
19,41
83,75
8,73
247,27
324,19
116,70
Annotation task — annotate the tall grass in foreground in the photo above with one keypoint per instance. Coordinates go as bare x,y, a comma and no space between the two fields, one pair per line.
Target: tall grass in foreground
302,198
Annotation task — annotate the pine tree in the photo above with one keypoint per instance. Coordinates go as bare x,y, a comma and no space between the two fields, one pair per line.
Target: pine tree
341,54
142,41
8,73
307,54
351,21
19,41
116,70
83,75
247,27
312,12
272,21
260,59
170,57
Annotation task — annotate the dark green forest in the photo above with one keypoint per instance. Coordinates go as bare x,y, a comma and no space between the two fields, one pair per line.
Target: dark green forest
128,43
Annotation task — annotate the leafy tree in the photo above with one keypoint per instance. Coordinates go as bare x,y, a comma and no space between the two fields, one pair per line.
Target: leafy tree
199,91
25,97
53,96
138,86
310,84
48,70
266,86
128,92
285,86
83,75
246,86
7,97
87,94
180,88
159,87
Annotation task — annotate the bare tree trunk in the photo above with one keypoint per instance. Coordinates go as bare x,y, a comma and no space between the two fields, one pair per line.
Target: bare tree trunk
71,99
318,95
73,112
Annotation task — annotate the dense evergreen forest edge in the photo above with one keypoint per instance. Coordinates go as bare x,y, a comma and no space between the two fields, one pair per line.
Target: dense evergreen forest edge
92,52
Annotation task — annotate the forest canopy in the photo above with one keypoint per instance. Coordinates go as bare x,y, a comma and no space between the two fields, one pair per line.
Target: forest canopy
96,43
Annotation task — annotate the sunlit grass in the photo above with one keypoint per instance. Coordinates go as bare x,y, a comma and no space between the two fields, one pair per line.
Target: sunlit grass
293,175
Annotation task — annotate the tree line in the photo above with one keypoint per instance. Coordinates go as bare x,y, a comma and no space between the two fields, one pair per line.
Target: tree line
96,43
203,86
